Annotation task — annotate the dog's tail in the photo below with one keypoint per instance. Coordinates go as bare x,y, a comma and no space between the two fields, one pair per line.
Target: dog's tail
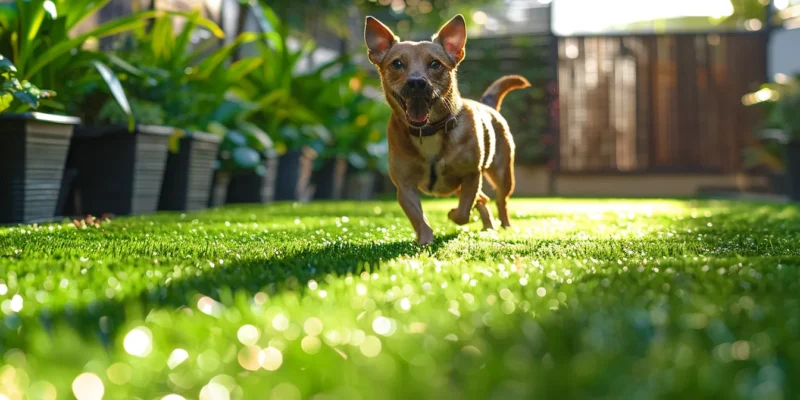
493,96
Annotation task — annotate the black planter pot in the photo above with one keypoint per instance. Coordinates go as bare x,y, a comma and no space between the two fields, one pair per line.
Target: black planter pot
777,182
249,187
219,189
294,174
793,170
33,149
118,172
329,180
361,185
188,173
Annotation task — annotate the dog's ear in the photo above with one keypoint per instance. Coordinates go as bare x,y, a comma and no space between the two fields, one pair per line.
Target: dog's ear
453,37
379,39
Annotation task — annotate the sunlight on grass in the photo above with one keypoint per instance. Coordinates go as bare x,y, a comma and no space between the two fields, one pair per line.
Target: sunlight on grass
628,299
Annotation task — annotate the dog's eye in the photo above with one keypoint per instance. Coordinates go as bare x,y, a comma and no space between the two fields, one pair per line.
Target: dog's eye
435,65
397,64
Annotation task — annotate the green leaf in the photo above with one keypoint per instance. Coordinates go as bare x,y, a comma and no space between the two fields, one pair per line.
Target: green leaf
245,157
175,140
117,91
125,66
240,69
5,100
27,97
119,25
6,65
161,38
236,138
215,60
8,15
75,14
261,140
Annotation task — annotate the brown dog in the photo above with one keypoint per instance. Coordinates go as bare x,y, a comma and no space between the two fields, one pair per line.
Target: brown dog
440,143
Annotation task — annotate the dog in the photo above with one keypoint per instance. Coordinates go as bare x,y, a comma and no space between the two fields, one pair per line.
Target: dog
440,143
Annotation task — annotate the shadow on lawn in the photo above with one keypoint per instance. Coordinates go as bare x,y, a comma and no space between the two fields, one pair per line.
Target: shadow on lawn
272,275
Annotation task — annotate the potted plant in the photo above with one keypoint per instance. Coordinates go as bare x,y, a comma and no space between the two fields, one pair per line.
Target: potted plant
360,123
246,168
782,102
35,36
33,147
174,86
768,156
288,103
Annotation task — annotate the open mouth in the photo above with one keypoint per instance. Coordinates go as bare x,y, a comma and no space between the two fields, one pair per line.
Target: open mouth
417,109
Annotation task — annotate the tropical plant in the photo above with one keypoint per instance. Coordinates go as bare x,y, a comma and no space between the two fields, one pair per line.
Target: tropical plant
38,36
357,127
163,68
244,150
781,103
35,34
16,95
282,101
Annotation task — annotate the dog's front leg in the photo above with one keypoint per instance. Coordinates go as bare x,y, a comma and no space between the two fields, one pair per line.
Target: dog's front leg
408,198
470,186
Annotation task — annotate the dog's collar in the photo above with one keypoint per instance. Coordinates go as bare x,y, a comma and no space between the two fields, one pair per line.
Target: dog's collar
447,124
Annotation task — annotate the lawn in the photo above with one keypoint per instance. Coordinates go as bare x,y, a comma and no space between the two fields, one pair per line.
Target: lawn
582,299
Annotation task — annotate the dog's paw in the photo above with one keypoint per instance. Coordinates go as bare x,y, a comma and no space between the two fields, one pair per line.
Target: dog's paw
425,238
457,218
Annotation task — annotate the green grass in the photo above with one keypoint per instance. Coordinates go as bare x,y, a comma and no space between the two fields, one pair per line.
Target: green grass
582,299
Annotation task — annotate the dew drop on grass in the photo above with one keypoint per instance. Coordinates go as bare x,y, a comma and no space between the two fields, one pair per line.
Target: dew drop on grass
313,326
311,344
371,346
248,335
138,342
271,359
214,391
280,322
176,358
88,386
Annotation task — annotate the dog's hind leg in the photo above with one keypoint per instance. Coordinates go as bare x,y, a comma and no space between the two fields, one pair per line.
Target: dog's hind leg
502,179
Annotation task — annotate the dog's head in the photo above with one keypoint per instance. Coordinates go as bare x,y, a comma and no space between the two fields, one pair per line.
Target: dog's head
416,75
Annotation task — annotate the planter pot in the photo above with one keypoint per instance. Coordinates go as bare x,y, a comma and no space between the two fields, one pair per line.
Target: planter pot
33,149
219,189
249,187
329,180
361,185
384,185
294,174
118,172
188,173
793,170
777,183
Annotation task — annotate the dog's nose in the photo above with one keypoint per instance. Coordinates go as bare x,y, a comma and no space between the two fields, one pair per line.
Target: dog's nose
417,84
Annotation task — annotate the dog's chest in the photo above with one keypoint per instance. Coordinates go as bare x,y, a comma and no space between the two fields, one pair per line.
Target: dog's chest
434,180
429,147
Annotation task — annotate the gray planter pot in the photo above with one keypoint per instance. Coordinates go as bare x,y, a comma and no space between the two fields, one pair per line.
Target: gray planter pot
33,150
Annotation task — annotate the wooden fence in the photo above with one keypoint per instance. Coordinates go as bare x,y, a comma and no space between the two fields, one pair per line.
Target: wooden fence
667,103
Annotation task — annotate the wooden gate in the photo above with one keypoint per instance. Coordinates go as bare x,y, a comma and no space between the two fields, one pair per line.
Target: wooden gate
667,103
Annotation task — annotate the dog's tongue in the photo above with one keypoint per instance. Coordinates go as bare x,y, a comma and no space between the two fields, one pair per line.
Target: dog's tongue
417,109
